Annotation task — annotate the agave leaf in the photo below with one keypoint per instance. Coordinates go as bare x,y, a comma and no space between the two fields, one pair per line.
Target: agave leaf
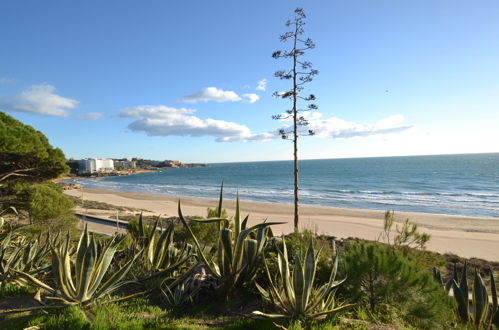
237,216
299,286
141,226
264,293
283,263
114,281
265,316
80,255
226,250
245,222
36,282
331,310
102,265
480,298
493,289
196,242
310,269
462,302
275,291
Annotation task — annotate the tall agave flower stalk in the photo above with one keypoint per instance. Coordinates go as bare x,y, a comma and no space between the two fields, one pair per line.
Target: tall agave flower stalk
293,296
25,256
85,285
239,251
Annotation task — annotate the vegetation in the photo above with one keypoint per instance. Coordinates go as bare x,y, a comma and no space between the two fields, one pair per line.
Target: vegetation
27,162
27,155
382,278
406,236
300,73
294,295
90,267
298,289
218,271
480,312
239,251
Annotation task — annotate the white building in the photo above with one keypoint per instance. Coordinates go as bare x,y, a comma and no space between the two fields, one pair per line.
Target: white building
94,165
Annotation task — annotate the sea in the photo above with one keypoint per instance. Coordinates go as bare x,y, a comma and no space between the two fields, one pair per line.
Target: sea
443,184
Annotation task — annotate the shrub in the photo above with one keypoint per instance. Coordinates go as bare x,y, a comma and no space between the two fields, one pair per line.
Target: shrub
379,275
48,206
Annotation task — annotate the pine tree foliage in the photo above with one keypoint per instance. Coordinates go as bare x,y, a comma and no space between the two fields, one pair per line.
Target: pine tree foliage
26,155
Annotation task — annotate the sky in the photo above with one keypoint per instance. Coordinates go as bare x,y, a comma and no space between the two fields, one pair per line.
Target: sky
193,80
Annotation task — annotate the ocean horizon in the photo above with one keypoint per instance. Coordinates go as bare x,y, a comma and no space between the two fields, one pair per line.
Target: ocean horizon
464,184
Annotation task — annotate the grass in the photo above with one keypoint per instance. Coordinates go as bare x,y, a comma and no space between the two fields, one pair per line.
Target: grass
136,313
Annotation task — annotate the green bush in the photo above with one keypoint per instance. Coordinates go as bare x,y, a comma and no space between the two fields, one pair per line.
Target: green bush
380,277
207,233
48,206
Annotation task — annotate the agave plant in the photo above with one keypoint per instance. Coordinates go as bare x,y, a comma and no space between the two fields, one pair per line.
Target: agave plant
25,256
293,295
239,251
482,314
188,287
161,257
92,262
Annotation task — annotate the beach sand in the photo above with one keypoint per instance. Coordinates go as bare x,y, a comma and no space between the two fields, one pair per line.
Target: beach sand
465,236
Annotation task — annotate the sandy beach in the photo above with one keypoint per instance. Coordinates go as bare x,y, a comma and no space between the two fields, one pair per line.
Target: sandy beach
465,236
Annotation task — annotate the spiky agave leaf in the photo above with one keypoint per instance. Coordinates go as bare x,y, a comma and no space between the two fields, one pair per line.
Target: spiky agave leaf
480,299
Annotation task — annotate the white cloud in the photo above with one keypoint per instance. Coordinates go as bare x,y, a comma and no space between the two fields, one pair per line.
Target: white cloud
339,128
39,99
90,116
262,85
212,94
251,98
166,121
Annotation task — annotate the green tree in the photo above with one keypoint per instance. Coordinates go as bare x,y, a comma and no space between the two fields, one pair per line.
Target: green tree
46,201
26,155
300,73
27,161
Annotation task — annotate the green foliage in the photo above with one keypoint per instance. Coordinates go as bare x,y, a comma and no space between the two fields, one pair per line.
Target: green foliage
213,213
294,295
90,267
407,235
379,275
161,257
48,205
139,231
27,155
133,314
480,313
21,255
239,253
206,233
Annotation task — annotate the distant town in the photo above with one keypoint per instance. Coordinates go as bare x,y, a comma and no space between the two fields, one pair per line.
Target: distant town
122,166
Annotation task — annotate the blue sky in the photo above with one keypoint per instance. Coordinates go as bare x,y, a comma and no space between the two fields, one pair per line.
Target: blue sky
175,79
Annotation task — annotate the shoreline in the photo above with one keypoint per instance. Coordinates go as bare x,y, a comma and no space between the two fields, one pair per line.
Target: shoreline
461,235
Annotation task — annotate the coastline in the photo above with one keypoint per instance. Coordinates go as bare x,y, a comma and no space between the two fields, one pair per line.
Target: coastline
119,173
465,236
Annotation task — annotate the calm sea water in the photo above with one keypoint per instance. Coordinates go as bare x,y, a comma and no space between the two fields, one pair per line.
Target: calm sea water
450,184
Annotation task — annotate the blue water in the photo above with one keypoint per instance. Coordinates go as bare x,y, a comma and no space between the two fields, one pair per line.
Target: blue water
446,184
